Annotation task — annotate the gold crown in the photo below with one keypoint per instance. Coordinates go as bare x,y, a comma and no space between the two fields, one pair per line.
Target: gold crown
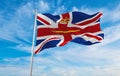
65,20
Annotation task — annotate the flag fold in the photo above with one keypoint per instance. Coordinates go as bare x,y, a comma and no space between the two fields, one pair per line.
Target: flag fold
58,30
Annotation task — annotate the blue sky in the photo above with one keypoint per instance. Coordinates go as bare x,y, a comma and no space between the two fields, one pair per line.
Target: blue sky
16,22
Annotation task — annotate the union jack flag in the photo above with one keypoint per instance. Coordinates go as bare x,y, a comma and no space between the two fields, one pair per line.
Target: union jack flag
58,30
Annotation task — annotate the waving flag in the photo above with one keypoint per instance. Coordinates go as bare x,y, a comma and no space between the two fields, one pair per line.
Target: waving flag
58,30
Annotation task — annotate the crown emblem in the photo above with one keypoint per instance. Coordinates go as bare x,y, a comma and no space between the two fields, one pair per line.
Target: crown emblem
65,20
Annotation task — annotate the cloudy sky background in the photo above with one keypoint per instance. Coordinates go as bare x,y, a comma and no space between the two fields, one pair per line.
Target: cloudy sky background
16,29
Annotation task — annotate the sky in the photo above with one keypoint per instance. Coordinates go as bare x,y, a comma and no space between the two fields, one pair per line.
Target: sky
16,30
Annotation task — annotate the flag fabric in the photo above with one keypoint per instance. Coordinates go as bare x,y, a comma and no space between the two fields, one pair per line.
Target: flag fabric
58,30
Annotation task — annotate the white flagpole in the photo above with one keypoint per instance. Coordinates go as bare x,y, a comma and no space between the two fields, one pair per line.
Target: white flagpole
33,40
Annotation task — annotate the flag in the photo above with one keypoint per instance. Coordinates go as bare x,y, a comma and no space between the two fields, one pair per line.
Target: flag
58,30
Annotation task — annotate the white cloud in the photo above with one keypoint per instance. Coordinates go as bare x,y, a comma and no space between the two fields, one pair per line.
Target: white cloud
16,27
112,34
43,6
112,14
75,9
22,47
13,71
82,71
77,61
105,62
55,71
60,10
14,67
85,10
19,28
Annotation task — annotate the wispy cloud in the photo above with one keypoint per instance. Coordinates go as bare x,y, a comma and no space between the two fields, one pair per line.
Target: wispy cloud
43,6
14,67
84,9
14,28
13,71
112,14
60,10
19,28
112,34
99,61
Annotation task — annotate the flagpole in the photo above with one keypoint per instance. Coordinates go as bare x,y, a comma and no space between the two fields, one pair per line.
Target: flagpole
33,40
